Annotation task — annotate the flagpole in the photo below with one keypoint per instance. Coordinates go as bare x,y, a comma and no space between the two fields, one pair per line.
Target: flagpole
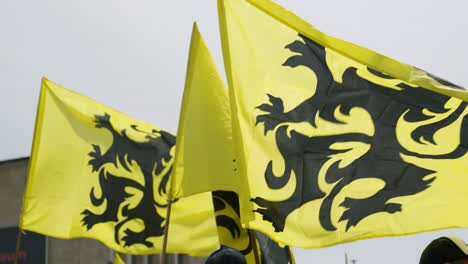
20,230
18,244
254,246
291,256
166,229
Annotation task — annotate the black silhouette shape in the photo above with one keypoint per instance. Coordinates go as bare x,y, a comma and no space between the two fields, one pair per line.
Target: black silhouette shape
229,200
305,155
225,203
151,155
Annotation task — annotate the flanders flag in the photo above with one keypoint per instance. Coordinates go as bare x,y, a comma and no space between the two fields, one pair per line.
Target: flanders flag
98,173
205,158
230,231
256,247
339,143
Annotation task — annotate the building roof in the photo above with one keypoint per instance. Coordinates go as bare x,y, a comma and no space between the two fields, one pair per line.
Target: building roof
3,162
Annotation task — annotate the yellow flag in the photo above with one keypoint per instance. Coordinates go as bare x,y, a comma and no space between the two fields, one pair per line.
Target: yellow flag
251,243
230,231
339,143
204,158
98,173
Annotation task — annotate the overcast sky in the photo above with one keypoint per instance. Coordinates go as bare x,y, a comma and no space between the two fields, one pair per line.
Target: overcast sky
131,55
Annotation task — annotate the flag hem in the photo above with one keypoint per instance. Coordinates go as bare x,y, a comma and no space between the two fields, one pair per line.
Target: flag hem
366,56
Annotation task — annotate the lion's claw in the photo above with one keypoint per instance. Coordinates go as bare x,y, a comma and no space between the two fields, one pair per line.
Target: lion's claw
275,114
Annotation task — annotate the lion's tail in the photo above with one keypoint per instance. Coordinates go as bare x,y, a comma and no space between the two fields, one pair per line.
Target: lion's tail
325,208
249,247
119,225
94,199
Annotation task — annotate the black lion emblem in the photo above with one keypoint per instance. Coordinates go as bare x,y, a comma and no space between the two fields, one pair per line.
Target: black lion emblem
152,156
227,212
306,155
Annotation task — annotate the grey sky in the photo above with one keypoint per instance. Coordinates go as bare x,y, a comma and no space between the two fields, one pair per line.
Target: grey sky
131,55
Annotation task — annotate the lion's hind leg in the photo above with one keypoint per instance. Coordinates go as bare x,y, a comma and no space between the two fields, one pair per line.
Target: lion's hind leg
131,238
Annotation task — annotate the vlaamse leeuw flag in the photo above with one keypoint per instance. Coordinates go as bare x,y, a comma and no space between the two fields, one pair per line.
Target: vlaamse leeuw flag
205,159
338,143
98,173
256,247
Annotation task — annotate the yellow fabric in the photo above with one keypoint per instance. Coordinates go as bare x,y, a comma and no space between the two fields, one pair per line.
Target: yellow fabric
258,37
230,229
232,234
360,54
62,179
204,157
241,242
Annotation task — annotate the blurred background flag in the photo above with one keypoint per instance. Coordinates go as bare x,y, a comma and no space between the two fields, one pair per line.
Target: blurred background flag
253,244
